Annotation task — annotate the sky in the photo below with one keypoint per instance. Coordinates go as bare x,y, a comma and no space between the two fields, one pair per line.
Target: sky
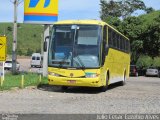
68,9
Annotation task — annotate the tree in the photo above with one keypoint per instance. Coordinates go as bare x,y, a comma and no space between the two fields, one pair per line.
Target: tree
149,10
121,8
110,8
145,39
132,27
130,6
113,21
152,38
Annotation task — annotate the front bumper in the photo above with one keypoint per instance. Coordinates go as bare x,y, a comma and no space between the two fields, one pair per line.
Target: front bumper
65,81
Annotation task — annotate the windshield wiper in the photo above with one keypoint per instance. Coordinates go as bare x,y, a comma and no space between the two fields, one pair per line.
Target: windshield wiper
80,61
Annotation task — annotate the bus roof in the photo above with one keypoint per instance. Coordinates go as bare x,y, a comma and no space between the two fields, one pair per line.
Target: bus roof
92,22
87,22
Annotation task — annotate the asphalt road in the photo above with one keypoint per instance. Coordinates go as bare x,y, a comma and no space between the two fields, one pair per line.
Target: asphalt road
139,95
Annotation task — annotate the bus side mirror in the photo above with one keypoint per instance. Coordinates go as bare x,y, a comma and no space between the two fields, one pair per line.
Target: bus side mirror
106,50
45,44
104,54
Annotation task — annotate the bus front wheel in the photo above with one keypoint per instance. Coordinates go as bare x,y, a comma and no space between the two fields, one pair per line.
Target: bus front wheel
104,88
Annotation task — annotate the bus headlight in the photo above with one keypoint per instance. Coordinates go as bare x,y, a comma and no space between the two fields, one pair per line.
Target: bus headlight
91,75
53,74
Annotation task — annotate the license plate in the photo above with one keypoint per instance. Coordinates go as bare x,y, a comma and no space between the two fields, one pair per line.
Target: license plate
71,81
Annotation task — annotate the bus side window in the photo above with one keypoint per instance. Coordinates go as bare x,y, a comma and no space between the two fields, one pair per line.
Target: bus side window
118,42
110,40
104,51
121,43
127,46
114,39
105,46
124,40
105,33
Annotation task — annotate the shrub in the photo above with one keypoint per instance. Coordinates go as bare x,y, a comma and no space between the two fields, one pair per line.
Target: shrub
144,61
156,62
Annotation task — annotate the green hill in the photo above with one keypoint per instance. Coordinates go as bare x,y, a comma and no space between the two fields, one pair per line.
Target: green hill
29,37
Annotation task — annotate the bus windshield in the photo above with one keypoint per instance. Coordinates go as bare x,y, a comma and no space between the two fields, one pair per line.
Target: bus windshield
75,46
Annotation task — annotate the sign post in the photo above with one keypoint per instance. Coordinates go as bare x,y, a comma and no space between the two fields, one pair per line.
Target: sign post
41,12
3,54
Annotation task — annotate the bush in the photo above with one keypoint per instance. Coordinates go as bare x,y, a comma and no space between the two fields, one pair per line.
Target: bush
156,62
144,61
29,52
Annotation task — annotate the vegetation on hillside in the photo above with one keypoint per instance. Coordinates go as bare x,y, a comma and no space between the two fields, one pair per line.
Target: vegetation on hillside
29,37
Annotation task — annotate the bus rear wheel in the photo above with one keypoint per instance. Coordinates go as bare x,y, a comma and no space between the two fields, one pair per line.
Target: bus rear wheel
122,83
104,88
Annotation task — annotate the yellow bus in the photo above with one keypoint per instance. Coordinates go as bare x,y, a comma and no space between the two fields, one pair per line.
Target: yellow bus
87,53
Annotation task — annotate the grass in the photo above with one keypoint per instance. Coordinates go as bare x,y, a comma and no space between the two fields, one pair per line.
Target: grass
30,79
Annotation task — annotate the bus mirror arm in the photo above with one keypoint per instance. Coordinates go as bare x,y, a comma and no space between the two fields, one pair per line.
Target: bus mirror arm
45,44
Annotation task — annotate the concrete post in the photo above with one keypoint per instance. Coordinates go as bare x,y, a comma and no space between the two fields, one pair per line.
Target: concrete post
45,54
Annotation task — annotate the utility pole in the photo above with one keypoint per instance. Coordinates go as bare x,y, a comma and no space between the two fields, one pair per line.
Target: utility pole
14,56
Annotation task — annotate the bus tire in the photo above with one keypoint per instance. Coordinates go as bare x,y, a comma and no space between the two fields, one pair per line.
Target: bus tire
122,83
104,88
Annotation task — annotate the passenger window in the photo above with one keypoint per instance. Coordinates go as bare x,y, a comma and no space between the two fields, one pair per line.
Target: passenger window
105,33
110,38
127,46
114,39
118,41
123,44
